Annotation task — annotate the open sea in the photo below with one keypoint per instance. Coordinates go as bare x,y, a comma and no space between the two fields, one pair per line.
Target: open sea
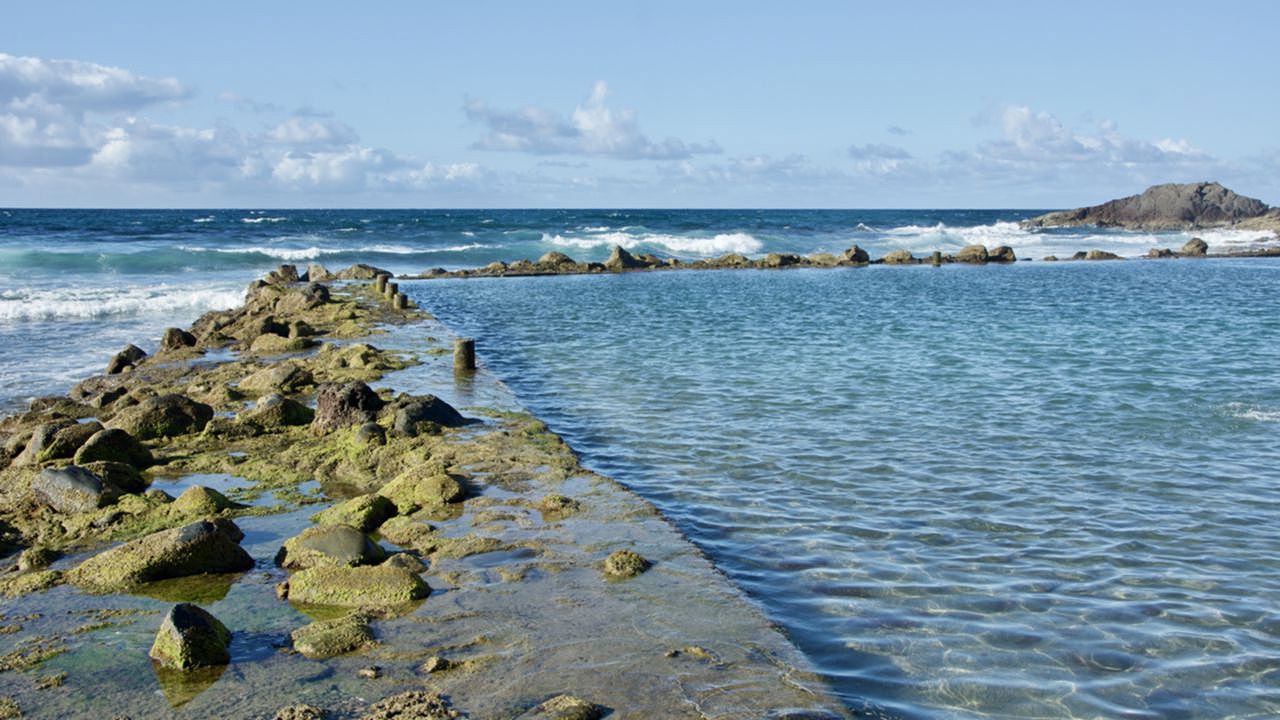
1043,490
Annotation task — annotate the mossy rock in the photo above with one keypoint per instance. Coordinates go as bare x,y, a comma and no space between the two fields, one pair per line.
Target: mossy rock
67,441
420,487
276,411
121,476
286,377
189,637
205,546
200,501
163,416
269,344
30,582
363,586
563,707
624,564
409,533
555,506
329,545
366,512
329,638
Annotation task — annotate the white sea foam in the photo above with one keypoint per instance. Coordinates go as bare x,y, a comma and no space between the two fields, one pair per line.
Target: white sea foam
708,246
207,219
262,219
459,248
1252,412
42,303
294,254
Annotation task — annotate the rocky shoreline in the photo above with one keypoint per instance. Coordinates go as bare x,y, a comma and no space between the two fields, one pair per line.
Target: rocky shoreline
334,550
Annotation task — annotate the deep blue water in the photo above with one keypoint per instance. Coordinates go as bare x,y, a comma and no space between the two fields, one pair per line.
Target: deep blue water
1038,490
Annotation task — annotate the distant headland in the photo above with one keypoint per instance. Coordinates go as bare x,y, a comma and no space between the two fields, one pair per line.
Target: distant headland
1172,206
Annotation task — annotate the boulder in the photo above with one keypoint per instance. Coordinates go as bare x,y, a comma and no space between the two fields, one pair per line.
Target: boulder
857,255
205,546
1195,247
897,257
429,409
1171,206
176,339
777,260
41,435
1100,255
113,445
67,441
329,638
121,476
300,329
563,707
422,486
130,356
71,489
286,378
163,416
1002,254
359,271
189,637
199,501
329,545
557,261
624,564
620,259
976,254
371,433
366,512
343,405
360,586
284,274
318,273
276,411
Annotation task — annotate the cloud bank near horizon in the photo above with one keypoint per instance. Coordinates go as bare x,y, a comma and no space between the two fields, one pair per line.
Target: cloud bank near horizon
76,128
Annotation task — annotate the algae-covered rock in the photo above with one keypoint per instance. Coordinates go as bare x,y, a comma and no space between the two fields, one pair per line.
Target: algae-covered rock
409,533
163,416
624,564
41,435
330,638
563,707
1101,255
175,339
365,512
198,500
120,476
29,582
897,257
67,441
555,506
371,433
343,405
130,356
268,344
416,704
276,411
301,711
285,377
190,637
976,254
420,487
361,586
71,489
205,546
329,545
113,445
427,410
406,561
35,558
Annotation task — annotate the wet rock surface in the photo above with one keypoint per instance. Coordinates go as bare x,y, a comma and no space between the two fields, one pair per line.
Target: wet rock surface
329,545
71,489
206,546
189,637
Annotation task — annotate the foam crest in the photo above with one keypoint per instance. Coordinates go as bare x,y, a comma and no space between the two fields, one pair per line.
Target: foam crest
31,304
707,246
262,219
1252,412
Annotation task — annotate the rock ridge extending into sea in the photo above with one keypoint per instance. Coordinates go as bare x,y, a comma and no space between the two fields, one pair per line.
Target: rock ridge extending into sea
1171,206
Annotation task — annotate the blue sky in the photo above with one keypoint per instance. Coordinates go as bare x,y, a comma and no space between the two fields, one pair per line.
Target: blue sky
664,104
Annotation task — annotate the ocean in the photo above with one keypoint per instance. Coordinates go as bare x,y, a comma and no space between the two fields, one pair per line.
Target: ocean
1042,490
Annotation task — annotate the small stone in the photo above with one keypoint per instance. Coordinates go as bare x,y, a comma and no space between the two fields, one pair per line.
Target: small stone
300,711
435,664
564,707
190,637
372,672
624,564
329,638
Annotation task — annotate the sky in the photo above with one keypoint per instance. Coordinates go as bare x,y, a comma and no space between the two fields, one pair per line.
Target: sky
625,104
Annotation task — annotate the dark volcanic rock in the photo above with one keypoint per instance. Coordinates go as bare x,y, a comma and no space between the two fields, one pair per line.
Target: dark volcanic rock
190,637
343,405
128,357
1162,207
71,490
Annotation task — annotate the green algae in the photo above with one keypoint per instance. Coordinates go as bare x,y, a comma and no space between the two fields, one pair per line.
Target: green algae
377,585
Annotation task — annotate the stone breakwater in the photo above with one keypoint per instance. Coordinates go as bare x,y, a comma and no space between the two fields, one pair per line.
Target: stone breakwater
366,543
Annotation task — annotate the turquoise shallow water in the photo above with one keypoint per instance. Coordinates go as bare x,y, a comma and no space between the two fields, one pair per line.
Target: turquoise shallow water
1041,490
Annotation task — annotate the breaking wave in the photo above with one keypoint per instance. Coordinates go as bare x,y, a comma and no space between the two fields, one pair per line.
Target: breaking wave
706,246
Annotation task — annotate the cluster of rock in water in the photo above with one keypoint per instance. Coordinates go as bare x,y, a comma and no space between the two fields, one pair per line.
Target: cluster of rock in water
73,474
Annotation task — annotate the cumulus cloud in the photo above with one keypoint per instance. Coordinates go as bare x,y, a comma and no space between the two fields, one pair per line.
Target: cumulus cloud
1030,136
313,132
878,151
45,107
592,129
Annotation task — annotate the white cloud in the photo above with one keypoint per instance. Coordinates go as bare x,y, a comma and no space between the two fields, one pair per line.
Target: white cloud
1038,137
592,129
878,151
310,131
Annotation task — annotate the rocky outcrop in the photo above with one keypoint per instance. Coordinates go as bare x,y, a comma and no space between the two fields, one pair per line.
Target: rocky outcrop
175,339
343,405
1171,206
619,260
189,637
206,546
130,356
163,416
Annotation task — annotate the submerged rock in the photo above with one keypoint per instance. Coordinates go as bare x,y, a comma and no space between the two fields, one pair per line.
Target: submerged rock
563,707
71,490
329,638
624,564
130,356
114,445
361,586
190,637
206,546
163,416
343,405
329,545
